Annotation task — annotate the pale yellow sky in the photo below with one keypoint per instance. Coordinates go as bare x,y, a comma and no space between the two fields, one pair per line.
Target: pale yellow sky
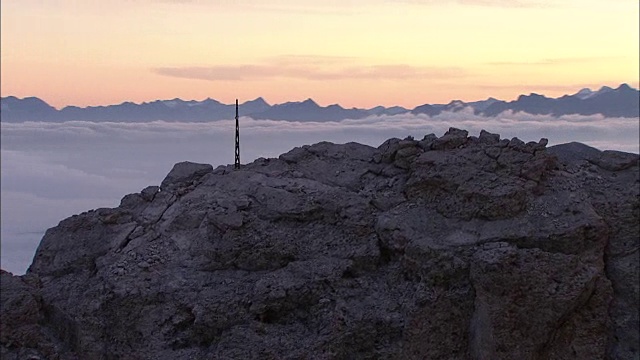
356,53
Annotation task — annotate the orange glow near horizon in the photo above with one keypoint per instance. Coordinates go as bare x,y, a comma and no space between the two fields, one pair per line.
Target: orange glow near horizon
359,54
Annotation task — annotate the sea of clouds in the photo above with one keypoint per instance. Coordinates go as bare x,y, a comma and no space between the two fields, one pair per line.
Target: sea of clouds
50,171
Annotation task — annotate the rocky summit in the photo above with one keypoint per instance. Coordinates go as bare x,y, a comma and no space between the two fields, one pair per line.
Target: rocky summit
451,247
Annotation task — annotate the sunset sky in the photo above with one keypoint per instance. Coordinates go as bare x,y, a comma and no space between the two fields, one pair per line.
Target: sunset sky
358,53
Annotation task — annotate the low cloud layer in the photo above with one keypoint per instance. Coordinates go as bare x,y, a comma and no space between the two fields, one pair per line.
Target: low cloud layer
53,170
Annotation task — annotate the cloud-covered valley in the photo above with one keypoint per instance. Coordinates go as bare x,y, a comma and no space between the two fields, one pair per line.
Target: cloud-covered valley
53,170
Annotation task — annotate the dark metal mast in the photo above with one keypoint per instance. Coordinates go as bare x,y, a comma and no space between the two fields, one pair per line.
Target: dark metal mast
237,164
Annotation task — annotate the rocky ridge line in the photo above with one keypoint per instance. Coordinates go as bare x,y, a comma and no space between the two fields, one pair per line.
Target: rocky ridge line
457,247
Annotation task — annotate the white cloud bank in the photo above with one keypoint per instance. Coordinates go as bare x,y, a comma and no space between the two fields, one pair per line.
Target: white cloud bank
53,170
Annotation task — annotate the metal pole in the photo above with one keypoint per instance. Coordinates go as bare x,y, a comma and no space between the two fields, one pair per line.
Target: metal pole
237,160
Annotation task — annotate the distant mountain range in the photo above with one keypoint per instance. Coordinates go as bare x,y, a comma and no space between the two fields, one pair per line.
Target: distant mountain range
623,101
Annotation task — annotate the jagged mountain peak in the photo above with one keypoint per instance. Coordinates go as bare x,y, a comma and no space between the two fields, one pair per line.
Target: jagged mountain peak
531,96
309,101
256,101
584,93
624,87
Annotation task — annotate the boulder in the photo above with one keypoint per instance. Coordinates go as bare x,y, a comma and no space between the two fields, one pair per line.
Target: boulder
184,174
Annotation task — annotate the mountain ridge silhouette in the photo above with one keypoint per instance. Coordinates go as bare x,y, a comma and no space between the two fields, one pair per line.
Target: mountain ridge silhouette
623,101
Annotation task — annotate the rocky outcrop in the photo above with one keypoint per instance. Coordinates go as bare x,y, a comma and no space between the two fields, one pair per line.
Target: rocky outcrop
452,247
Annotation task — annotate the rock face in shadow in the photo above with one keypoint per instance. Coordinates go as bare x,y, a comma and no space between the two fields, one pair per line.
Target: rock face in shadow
452,247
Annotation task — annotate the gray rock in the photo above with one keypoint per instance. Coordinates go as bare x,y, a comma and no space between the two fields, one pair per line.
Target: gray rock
184,174
149,192
427,141
616,160
574,152
452,247
388,150
30,328
452,139
488,138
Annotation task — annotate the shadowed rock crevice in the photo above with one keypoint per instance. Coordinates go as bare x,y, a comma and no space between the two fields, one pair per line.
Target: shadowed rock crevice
462,247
